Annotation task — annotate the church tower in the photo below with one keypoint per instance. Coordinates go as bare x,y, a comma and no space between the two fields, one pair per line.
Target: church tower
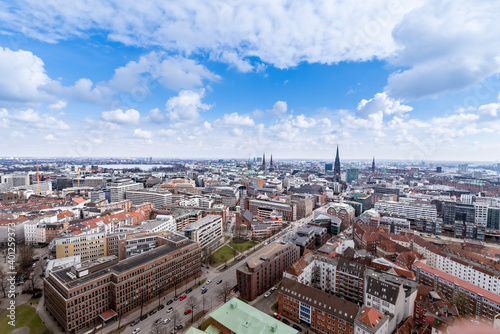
263,162
373,166
336,167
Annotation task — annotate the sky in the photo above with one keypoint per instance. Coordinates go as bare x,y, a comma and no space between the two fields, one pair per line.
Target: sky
409,80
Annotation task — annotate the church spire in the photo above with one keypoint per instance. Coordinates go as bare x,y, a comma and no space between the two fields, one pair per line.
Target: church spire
336,167
373,165
271,162
263,162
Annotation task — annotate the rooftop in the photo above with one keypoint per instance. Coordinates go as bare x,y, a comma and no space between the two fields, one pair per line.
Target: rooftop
265,253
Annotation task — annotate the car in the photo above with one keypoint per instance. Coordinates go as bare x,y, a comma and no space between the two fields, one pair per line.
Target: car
45,258
187,311
203,265
34,265
219,281
189,290
153,312
135,322
297,327
158,321
36,259
277,316
203,291
179,326
286,322
183,297
273,289
209,281
170,309
161,307
166,321
267,294
170,302
178,297
144,317
137,330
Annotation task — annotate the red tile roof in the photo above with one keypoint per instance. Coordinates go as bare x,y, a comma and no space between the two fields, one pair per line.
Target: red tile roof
370,317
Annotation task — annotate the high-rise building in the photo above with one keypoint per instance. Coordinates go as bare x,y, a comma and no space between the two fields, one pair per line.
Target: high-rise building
352,175
336,167
119,188
373,165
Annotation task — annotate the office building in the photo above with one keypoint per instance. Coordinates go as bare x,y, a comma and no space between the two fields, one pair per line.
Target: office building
118,189
159,197
351,175
411,210
265,268
207,231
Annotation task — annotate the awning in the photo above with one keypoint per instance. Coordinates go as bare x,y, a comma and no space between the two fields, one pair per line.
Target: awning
106,315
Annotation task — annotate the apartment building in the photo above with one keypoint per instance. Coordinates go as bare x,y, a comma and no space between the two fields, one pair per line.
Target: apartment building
103,289
412,210
349,280
323,312
87,246
264,208
482,303
344,212
207,231
371,321
159,197
118,189
263,269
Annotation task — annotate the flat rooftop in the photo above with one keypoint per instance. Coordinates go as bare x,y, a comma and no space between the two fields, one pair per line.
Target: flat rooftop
266,252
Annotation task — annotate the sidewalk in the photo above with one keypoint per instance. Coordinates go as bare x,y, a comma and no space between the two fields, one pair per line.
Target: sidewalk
46,318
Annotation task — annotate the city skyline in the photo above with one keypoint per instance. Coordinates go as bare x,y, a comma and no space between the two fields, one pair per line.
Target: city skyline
414,81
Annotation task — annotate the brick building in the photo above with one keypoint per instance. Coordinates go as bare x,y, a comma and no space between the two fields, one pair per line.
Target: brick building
261,271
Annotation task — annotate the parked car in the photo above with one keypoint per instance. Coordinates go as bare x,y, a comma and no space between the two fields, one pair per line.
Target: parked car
267,294
166,321
297,327
277,316
273,289
34,265
161,307
179,326
286,322
158,321
203,291
209,281
137,330
135,322
170,302
187,311
183,297
189,290
144,317
153,312
219,281
170,309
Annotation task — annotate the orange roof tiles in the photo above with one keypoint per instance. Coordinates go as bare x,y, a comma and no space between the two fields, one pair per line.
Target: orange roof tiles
371,317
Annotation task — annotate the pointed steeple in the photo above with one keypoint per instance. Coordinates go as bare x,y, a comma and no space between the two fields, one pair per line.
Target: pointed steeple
249,164
373,165
263,162
336,167
271,162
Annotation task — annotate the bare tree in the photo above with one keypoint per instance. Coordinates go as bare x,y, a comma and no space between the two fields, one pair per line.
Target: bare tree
175,317
192,301
157,329
25,257
203,301
224,291
3,282
461,302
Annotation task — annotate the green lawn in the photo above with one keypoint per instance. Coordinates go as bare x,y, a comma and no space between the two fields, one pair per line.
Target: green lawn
241,247
221,255
26,316
205,324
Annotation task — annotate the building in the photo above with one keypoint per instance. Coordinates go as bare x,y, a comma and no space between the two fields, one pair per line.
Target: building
323,312
263,208
99,290
119,189
349,280
263,228
370,321
336,168
344,212
432,226
264,268
159,197
412,210
453,211
463,168
351,175
483,303
395,225
207,231
236,316
87,246
493,222
330,222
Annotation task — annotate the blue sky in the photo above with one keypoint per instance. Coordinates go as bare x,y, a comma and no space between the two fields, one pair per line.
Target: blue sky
220,79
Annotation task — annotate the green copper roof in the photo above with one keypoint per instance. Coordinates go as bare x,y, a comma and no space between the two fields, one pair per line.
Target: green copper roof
241,318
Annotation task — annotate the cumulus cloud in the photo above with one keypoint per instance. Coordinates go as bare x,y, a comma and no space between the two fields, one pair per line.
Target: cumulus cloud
130,116
279,108
186,106
144,134
381,103
61,104
49,137
236,119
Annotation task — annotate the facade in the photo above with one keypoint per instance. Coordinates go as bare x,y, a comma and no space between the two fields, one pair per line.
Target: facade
80,298
483,303
324,313
493,222
207,231
87,246
453,211
351,175
344,212
412,210
159,197
370,321
432,226
481,213
264,208
261,271
119,189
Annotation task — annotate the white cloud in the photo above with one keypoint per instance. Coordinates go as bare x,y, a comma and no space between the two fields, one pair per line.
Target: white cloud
173,72
49,137
156,116
235,119
237,132
279,108
167,132
186,106
302,121
381,103
139,133
233,59
61,104
130,116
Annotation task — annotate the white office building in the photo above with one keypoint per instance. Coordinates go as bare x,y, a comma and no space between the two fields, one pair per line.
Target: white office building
207,231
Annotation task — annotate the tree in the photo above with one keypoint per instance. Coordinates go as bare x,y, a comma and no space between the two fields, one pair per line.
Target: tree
25,257
157,329
3,282
461,302
175,317
203,301
224,291
192,301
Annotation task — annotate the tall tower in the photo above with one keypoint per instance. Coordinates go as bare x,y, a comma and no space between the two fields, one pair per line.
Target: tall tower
271,162
373,166
249,164
263,162
336,167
